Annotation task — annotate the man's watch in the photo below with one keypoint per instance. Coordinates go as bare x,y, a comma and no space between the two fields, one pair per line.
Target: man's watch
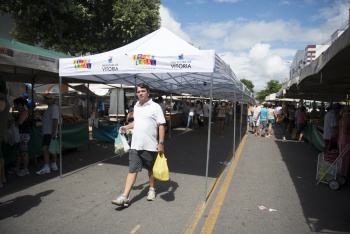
161,142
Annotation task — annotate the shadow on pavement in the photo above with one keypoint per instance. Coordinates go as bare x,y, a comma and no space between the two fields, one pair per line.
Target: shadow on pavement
20,205
325,210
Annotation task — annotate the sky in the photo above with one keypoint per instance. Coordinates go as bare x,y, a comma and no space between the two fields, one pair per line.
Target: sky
257,38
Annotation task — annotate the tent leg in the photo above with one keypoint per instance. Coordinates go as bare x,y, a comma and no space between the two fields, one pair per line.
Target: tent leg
60,123
208,144
234,125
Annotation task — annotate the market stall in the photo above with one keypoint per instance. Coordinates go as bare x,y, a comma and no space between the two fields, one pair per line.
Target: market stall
105,130
73,135
165,62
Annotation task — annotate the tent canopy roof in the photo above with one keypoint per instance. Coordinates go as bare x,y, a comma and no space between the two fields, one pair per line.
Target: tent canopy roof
327,77
162,60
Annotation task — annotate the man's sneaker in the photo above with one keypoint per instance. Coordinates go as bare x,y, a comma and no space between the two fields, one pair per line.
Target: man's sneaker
121,201
53,167
23,172
44,170
151,195
13,171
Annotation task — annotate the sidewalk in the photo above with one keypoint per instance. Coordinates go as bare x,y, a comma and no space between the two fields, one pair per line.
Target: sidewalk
280,176
270,173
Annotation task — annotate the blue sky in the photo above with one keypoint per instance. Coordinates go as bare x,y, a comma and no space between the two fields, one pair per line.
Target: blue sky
256,37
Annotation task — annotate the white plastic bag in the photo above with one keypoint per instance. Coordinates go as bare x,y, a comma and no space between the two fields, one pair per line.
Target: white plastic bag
121,145
11,135
125,143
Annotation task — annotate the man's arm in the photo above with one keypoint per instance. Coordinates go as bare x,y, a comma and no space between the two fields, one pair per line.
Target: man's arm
123,129
161,138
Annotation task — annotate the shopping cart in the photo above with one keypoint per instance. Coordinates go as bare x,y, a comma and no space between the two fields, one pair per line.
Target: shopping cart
329,167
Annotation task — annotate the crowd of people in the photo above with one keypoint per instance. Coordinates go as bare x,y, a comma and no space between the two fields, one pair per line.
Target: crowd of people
336,125
262,117
19,119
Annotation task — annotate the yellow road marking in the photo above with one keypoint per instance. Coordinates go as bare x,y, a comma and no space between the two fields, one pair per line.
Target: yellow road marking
198,212
135,229
215,210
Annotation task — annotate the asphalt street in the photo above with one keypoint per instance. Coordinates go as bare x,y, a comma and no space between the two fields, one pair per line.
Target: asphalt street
268,187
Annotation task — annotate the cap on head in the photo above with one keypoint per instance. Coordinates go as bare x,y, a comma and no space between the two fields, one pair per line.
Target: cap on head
336,106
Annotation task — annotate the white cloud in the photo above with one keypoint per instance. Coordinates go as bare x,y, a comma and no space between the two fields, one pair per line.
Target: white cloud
258,50
170,23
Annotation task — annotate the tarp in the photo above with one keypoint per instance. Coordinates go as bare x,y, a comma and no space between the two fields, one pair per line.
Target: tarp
162,60
28,64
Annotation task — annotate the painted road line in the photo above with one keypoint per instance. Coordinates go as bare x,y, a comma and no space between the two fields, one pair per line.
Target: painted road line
215,210
198,212
135,229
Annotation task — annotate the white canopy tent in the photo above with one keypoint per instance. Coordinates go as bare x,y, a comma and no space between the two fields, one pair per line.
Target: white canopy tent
165,62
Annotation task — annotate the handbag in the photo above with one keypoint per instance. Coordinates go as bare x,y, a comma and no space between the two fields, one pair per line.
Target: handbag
54,148
160,168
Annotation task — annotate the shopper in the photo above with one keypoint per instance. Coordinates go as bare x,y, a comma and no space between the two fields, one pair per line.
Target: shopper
148,122
302,122
21,121
263,120
4,115
221,118
331,125
206,112
271,117
256,117
285,114
49,131
250,112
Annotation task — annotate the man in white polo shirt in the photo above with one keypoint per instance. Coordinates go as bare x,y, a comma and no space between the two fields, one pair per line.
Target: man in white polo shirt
148,125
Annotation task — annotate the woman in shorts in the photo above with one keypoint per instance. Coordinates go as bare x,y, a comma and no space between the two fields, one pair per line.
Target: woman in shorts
271,118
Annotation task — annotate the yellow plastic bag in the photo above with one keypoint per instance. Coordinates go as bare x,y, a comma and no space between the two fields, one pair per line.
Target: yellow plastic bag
160,168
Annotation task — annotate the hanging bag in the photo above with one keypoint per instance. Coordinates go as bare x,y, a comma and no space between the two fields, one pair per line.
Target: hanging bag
11,135
126,146
160,168
121,145
54,148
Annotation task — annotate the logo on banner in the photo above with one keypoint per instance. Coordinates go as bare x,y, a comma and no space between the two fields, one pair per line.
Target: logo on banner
181,63
82,63
144,60
110,66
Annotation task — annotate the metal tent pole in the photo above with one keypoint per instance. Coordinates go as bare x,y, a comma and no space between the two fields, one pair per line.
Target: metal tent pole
171,103
241,122
234,125
209,133
60,122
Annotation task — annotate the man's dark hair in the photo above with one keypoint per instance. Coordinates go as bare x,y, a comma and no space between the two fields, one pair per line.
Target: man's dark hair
144,86
22,101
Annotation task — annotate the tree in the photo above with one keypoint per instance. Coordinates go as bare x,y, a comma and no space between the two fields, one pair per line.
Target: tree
82,26
248,84
273,86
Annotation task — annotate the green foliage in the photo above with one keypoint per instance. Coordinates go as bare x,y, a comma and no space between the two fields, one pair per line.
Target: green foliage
248,84
273,86
82,26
